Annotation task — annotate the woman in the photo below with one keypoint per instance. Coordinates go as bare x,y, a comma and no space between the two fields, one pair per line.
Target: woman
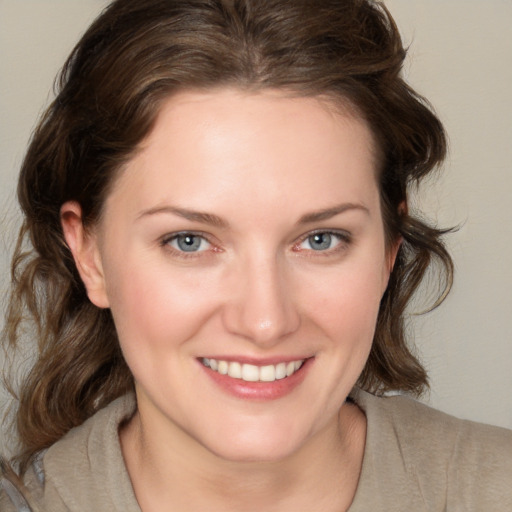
222,256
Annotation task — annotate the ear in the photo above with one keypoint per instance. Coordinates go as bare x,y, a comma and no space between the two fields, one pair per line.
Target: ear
393,253
84,248
389,262
394,245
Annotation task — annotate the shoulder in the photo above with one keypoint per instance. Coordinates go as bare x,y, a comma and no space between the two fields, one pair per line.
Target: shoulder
428,429
15,495
468,463
11,496
82,471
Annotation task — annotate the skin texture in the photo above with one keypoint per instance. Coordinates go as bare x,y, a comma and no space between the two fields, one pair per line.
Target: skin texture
259,165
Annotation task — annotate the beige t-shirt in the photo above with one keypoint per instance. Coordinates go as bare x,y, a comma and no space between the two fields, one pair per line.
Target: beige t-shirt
416,459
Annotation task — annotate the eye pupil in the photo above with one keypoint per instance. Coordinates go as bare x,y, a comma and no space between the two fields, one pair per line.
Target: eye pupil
320,241
188,243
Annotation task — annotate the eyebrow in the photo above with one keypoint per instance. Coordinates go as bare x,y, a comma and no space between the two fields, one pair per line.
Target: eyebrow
192,215
328,213
216,221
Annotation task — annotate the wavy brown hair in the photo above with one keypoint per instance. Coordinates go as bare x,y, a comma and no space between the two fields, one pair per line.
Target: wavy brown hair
132,58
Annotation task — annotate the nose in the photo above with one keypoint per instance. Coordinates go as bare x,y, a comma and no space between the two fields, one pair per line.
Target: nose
262,305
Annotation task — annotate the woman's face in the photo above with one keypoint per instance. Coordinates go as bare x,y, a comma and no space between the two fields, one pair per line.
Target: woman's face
245,237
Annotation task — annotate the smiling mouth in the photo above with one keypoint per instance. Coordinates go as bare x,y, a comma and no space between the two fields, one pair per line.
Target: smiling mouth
251,372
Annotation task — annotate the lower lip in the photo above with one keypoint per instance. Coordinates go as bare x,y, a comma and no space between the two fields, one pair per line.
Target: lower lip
260,391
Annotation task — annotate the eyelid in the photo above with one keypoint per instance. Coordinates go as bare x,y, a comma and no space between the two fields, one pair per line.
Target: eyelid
165,242
165,239
344,236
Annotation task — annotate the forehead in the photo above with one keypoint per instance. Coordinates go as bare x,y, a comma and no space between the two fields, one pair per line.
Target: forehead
233,112
225,144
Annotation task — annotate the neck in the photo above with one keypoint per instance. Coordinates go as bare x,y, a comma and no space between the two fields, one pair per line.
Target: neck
182,475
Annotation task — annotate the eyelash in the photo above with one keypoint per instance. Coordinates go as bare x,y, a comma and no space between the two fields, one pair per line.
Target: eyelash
344,239
166,241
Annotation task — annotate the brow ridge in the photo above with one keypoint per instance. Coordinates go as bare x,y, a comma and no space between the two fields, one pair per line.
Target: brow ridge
216,221
328,213
192,215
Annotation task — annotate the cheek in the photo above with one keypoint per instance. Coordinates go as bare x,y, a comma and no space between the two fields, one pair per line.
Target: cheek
348,302
154,306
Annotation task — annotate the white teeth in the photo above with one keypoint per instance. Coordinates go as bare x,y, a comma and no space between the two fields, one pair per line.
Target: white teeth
223,367
268,373
251,372
280,371
235,370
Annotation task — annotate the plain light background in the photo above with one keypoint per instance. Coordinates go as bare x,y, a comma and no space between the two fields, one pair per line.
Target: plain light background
460,59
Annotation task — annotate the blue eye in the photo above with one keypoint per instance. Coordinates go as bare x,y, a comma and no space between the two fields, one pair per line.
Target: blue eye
321,241
188,242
